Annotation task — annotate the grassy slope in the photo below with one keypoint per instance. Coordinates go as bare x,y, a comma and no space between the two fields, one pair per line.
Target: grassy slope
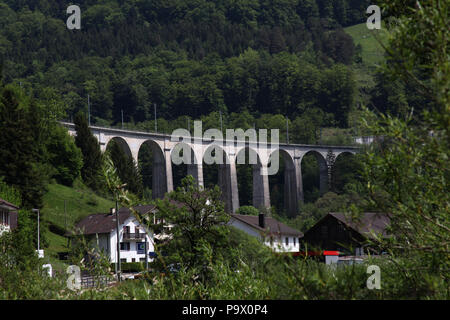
372,51
372,57
80,202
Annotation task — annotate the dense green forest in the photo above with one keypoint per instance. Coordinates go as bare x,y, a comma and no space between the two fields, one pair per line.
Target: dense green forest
187,57
261,64
254,63
251,63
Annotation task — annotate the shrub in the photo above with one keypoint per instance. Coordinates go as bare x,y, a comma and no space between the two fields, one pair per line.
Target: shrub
248,210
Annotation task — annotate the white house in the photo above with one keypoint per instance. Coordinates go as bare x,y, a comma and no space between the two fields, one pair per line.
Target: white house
274,234
8,216
135,240
366,140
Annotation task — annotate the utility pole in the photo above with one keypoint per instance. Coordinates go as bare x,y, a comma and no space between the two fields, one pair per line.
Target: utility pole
156,122
221,124
38,237
287,130
65,214
118,242
146,253
122,117
89,110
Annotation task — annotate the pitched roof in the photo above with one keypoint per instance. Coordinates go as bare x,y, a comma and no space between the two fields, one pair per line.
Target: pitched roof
367,224
105,223
272,226
8,204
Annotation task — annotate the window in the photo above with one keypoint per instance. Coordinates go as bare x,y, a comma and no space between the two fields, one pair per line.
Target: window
295,242
142,260
4,217
126,229
287,241
123,260
125,246
140,247
133,260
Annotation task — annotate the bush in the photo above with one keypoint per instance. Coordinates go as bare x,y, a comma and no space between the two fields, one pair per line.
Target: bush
130,266
248,210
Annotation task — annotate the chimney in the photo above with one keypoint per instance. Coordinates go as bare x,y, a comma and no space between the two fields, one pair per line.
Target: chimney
262,220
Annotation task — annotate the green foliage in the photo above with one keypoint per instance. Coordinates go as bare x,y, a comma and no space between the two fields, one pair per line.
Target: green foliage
418,47
9,193
19,262
126,169
310,213
194,220
145,159
248,210
65,157
407,173
409,179
85,254
92,156
130,266
21,163
229,56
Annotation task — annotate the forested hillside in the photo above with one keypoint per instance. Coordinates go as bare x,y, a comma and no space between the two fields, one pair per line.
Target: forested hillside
187,57
251,63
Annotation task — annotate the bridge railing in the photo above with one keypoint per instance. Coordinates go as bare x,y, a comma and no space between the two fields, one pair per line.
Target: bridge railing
347,140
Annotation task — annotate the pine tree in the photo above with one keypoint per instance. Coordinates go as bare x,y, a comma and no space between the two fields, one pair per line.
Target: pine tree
92,156
22,151
127,169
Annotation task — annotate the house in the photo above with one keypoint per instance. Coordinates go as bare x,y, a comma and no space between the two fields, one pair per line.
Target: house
135,239
271,232
338,231
8,216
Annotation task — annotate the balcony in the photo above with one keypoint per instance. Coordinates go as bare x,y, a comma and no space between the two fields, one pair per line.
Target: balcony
133,236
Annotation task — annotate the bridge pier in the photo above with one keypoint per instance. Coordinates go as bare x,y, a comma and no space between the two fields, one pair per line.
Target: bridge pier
299,180
229,186
293,189
159,174
261,193
168,167
323,174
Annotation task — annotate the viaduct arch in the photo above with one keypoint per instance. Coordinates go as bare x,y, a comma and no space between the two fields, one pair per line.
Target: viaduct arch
164,150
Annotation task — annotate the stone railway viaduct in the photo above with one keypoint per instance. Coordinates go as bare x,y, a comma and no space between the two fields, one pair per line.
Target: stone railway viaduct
163,148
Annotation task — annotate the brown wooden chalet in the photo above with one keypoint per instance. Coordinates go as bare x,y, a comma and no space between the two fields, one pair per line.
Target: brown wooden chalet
338,231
